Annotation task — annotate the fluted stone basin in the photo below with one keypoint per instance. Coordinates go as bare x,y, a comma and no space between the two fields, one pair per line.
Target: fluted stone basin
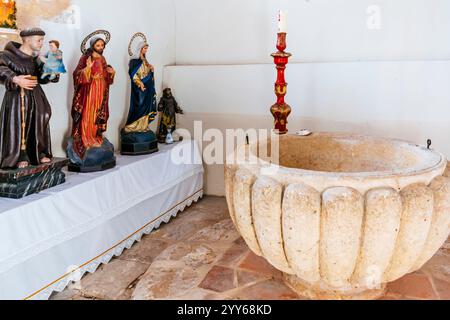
343,214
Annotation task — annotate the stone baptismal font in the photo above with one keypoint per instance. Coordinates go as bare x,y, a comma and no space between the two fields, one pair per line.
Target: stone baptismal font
342,215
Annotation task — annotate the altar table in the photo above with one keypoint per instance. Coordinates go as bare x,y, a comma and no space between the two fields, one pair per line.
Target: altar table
50,239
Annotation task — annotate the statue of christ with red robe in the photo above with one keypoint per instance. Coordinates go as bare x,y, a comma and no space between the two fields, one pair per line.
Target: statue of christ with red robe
90,109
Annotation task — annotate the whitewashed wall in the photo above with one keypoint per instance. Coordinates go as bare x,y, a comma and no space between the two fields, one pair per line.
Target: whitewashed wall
243,31
390,81
154,18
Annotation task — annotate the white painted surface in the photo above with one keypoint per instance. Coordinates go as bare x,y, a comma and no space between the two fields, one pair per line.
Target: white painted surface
244,31
363,91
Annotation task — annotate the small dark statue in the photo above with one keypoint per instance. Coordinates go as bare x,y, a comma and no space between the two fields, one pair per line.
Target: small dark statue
168,107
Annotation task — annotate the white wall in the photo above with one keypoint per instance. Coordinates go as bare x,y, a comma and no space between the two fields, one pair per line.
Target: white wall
343,76
154,18
244,31
350,91
405,100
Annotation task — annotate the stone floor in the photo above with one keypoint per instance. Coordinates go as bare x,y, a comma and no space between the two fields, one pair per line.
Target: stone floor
200,256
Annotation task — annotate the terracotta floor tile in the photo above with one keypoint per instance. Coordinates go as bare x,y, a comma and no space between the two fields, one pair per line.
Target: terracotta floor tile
447,172
193,255
245,277
413,286
210,209
259,265
439,265
81,298
197,256
67,294
112,280
200,295
443,288
178,230
234,255
221,231
219,279
241,242
167,283
144,251
391,297
267,290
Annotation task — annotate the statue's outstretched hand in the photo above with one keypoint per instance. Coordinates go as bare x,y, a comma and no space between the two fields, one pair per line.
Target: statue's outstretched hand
89,63
25,82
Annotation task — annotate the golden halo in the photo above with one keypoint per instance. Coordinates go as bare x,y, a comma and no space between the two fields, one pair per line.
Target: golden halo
104,32
135,36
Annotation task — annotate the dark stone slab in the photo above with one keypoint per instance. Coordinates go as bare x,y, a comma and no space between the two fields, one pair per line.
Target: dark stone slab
138,143
19,183
95,168
96,158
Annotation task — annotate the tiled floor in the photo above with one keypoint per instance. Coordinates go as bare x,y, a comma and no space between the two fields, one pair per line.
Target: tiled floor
199,255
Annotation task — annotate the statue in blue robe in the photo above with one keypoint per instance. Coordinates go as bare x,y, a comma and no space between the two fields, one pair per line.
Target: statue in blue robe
143,95
137,138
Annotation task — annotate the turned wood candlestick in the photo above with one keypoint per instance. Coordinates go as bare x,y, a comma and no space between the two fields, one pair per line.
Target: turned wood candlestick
280,110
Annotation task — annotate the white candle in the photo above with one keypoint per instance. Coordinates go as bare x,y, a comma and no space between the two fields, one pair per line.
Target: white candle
282,22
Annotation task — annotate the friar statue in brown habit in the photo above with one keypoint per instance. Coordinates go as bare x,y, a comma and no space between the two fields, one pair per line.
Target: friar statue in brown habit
25,112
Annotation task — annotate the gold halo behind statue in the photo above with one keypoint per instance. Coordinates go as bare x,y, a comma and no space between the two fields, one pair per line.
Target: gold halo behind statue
107,35
135,36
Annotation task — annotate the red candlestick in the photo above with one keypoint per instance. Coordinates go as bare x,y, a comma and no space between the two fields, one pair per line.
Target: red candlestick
281,110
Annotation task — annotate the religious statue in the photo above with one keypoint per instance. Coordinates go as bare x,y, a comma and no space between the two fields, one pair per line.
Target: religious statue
54,64
88,150
25,143
25,114
169,108
136,136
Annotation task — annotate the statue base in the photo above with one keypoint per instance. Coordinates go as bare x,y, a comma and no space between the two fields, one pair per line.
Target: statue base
161,138
96,158
86,169
19,183
138,143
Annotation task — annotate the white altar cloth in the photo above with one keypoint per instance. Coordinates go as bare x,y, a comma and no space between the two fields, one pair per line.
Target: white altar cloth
52,238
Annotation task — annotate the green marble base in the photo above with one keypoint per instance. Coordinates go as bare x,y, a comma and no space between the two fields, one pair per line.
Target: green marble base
19,183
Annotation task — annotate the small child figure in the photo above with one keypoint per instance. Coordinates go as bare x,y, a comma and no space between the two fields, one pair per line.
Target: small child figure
54,65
